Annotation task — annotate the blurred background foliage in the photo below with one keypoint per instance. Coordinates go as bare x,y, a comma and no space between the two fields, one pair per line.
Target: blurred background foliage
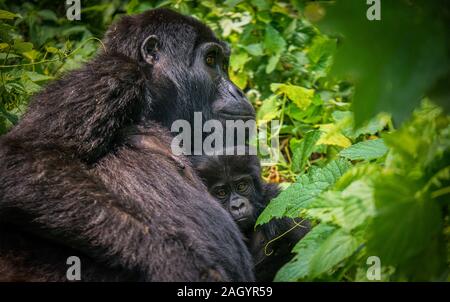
365,131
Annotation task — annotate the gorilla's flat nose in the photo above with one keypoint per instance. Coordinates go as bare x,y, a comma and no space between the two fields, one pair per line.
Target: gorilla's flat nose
240,105
237,205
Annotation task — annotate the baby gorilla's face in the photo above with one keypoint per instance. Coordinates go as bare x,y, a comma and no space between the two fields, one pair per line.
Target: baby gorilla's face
235,195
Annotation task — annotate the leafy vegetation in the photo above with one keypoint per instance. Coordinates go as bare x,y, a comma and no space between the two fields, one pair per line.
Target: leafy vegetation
372,175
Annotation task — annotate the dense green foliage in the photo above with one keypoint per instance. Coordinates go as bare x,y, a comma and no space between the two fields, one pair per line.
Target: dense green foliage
373,178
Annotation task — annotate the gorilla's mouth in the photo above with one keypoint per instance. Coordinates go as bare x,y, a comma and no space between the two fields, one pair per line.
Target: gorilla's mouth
243,221
235,116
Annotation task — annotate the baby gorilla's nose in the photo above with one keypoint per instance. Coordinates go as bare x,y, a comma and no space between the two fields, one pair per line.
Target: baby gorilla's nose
237,205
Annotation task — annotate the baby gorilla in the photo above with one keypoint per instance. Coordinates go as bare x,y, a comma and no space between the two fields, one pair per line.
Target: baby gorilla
235,181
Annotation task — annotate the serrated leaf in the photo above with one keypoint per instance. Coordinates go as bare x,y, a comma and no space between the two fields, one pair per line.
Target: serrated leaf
302,149
291,201
302,97
348,209
356,173
366,150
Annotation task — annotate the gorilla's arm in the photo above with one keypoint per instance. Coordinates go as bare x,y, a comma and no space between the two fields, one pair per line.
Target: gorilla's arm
45,182
59,200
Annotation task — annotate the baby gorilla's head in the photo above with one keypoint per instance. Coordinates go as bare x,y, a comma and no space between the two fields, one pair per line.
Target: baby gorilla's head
235,181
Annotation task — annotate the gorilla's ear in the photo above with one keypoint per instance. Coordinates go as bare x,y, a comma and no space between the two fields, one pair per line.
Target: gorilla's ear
149,49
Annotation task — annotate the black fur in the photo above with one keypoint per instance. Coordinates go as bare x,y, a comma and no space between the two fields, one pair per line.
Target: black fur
71,183
222,169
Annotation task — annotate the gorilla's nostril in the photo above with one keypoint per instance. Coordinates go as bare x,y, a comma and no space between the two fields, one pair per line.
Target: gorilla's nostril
236,92
237,205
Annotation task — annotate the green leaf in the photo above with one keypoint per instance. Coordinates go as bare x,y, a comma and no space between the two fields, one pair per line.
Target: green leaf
356,173
336,248
296,197
47,14
301,96
261,4
238,60
407,228
37,77
348,209
302,149
240,79
31,55
273,41
272,64
269,109
374,125
21,47
321,47
7,15
366,150
4,55
298,268
254,49
392,62
51,49
331,135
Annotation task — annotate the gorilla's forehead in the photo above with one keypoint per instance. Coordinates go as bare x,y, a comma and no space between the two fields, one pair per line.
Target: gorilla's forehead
225,167
178,32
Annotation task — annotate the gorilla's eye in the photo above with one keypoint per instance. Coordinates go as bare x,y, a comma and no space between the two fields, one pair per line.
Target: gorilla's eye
242,186
220,192
211,59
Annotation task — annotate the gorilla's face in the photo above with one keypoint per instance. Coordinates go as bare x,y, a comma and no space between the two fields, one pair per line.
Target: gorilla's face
186,67
235,193
196,83
235,182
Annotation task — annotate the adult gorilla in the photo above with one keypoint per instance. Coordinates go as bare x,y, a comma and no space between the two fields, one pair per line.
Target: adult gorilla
71,184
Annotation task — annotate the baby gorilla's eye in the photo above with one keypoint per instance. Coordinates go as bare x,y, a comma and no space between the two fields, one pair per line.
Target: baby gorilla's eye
221,193
242,186
211,59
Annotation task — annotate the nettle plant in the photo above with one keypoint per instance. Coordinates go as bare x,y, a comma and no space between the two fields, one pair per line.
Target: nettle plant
386,197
